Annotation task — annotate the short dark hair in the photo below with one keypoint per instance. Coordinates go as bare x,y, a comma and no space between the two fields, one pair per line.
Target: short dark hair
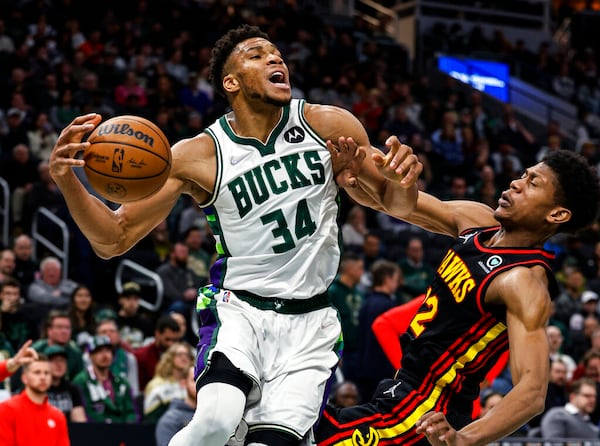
9,281
223,48
382,269
577,189
166,322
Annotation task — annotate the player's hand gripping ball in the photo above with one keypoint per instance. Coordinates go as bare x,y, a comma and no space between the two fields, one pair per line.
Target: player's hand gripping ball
129,159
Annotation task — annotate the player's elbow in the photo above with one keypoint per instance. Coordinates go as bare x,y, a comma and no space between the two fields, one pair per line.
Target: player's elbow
536,401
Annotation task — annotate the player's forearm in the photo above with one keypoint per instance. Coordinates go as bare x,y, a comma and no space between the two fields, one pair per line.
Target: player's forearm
513,411
97,222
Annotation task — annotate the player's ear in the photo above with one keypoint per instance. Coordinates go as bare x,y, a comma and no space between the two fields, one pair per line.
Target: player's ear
559,215
230,84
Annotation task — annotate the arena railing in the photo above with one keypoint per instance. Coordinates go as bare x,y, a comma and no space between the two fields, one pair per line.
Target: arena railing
39,235
129,270
5,210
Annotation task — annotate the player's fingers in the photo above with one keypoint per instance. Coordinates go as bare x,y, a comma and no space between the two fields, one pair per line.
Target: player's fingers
333,149
24,348
411,168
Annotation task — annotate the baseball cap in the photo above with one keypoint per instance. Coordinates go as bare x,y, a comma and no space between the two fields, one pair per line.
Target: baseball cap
53,350
588,296
105,313
130,288
97,342
14,111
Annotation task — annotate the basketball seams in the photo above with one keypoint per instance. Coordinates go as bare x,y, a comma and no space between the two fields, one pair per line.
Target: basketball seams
155,128
121,143
116,177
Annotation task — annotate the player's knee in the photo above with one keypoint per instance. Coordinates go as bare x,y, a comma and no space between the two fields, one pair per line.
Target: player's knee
212,428
271,438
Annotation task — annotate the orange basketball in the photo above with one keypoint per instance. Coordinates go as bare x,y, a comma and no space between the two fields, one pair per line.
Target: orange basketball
129,159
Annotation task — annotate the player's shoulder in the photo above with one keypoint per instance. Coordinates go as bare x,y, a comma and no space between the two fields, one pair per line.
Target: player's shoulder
201,144
332,122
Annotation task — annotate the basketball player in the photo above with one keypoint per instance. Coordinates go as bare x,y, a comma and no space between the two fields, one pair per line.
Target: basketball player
265,176
491,289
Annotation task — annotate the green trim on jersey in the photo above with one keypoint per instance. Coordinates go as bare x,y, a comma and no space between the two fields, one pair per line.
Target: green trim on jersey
219,172
264,149
306,125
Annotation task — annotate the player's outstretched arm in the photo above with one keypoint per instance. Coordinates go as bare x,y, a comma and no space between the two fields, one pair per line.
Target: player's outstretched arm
397,195
109,232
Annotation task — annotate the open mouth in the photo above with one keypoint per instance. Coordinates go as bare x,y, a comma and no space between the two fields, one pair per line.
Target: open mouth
278,78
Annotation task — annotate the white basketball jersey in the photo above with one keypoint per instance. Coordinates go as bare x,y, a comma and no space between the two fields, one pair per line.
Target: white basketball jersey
274,209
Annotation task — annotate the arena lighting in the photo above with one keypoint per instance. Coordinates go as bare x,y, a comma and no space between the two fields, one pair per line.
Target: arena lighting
488,77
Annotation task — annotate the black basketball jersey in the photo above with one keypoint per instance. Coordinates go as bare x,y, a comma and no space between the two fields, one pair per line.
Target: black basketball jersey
455,337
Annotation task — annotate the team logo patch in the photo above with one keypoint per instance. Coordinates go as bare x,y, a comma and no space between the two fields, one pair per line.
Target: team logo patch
294,135
370,439
117,161
226,296
493,262
51,423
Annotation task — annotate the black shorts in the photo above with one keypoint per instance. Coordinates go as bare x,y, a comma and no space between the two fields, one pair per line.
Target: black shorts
390,418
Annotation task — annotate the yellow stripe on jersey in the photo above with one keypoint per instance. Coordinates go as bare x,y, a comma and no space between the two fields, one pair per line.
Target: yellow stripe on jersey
431,400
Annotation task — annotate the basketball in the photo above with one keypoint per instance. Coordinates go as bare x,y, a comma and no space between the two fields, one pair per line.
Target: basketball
129,159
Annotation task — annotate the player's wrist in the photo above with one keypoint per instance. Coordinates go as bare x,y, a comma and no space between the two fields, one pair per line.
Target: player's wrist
11,365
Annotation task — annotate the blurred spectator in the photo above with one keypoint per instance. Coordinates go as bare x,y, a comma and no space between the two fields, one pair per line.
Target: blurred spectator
556,395
568,301
166,333
58,332
555,342
81,312
192,98
124,362
345,394
581,340
42,137
153,249
62,394
371,252
64,111
128,88
199,260
25,266
163,96
179,281
354,228
20,172
28,417
51,289
7,264
18,322
489,398
573,419
168,382
187,334
372,364
486,190
43,193
134,327
106,397
17,132
401,125
346,297
417,274
589,307
563,84
178,414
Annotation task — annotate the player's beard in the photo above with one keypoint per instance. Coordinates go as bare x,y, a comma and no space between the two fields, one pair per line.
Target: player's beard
271,100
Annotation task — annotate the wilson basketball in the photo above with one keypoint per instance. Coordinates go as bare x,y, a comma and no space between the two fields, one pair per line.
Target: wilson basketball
129,159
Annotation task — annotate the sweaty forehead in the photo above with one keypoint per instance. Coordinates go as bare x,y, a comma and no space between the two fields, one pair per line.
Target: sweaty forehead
252,43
